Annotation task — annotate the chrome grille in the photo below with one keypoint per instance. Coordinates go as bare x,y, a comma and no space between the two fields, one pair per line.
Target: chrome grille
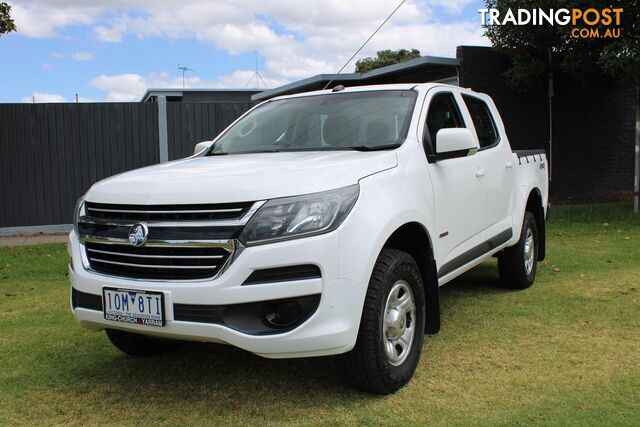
137,213
156,262
184,242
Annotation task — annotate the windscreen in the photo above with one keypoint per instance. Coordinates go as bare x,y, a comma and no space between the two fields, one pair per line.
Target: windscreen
336,121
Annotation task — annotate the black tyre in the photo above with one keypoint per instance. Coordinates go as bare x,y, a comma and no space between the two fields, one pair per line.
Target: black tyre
391,332
518,263
139,345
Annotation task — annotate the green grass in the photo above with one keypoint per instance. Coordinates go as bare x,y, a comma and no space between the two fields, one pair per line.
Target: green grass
566,351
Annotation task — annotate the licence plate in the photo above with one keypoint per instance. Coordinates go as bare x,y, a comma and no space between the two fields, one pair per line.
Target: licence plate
133,306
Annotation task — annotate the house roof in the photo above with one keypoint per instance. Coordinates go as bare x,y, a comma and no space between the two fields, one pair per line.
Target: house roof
415,65
180,91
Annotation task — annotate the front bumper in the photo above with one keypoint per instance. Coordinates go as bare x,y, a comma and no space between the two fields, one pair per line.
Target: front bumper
331,329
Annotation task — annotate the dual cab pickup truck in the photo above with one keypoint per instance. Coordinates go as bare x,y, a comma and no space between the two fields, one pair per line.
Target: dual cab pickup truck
317,224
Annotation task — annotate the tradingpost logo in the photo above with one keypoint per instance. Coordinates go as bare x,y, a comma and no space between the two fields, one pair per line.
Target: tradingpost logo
586,23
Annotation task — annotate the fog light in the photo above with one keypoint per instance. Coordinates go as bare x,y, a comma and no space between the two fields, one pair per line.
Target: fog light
281,314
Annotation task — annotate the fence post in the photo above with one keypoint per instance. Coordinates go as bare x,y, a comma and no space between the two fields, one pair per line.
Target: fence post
163,138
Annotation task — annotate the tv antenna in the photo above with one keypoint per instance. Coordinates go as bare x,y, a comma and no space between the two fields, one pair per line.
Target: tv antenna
184,70
257,76
364,44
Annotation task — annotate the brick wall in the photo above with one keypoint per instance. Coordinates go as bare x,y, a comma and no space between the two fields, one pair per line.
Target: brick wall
593,124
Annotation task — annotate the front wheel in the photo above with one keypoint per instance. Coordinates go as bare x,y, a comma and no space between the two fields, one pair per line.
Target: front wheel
391,332
518,263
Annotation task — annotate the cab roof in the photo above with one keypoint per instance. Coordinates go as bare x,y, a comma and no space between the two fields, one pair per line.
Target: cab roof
376,88
423,69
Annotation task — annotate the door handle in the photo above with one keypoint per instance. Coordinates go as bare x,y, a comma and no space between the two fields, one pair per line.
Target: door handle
481,172
508,165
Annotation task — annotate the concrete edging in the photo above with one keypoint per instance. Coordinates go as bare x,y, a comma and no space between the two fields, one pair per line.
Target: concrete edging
36,229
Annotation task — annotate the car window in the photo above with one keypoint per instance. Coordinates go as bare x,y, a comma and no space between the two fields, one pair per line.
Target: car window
482,121
443,113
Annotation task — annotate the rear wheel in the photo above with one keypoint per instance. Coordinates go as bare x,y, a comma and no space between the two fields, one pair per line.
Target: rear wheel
391,332
139,345
517,264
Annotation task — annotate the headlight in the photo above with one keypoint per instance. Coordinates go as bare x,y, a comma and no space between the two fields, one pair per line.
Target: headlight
78,212
300,216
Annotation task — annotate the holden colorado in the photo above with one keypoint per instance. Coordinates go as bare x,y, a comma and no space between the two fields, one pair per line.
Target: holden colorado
317,224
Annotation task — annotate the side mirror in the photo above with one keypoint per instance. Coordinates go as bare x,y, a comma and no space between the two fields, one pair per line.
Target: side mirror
200,146
454,141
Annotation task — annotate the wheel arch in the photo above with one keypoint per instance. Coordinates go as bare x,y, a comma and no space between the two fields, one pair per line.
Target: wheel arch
536,207
413,238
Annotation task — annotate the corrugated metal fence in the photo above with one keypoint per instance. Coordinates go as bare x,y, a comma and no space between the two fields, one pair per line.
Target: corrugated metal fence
50,154
193,122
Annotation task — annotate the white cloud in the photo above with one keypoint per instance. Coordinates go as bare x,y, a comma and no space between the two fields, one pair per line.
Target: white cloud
44,97
296,67
131,87
39,19
123,87
452,6
83,56
297,38
442,40
241,79
51,97
79,56
111,34
41,97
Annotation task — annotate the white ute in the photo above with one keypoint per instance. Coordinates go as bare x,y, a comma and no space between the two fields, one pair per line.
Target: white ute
317,224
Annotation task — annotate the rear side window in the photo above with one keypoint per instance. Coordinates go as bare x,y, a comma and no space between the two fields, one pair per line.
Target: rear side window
443,113
482,120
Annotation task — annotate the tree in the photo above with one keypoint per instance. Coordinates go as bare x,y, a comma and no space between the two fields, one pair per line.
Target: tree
384,58
541,51
538,50
6,23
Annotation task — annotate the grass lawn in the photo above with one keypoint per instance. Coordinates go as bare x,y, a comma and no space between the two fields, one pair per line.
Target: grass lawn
566,351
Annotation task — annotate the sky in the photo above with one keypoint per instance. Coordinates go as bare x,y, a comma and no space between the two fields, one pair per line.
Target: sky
113,50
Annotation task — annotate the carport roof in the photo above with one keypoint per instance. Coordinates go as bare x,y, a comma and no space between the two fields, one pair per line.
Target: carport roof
424,63
181,91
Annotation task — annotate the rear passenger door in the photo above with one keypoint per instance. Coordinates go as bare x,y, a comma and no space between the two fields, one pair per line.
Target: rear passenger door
496,161
460,199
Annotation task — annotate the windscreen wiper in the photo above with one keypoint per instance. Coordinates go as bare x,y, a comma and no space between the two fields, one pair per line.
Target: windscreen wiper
373,147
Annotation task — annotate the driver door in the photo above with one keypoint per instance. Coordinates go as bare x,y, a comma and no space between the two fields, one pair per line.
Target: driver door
458,188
